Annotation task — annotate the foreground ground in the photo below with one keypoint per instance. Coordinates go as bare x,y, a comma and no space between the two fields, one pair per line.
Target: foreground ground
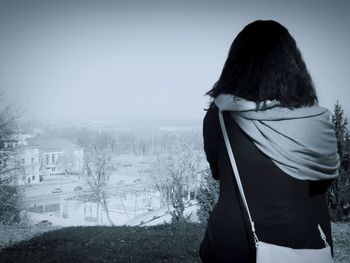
161,243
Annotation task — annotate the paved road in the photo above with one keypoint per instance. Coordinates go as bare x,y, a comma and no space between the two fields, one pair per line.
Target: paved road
40,194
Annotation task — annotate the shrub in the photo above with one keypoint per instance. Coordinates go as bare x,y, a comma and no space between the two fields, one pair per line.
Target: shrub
10,203
207,196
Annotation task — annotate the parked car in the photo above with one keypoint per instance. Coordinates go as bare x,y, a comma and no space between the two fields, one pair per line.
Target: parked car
78,188
137,180
44,222
57,190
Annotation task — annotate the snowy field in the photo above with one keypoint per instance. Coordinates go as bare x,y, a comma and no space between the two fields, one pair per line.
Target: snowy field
134,200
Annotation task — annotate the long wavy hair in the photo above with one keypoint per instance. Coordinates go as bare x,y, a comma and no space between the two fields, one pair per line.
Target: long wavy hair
264,63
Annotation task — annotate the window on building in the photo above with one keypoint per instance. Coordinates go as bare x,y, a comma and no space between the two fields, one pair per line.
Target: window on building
53,158
32,160
33,177
23,161
47,159
28,180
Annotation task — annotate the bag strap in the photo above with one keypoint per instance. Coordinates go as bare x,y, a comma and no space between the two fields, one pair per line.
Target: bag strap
239,183
236,175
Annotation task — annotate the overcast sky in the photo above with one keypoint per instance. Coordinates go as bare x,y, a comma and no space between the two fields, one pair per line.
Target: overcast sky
117,60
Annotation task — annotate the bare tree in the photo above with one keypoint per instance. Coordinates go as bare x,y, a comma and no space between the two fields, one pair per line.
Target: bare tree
8,126
338,194
69,162
11,204
208,195
190,160
175,177
100,150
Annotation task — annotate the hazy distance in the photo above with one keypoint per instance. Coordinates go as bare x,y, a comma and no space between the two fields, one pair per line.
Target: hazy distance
132,60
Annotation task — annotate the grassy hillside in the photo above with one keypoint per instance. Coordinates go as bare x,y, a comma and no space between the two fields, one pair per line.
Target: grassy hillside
161,243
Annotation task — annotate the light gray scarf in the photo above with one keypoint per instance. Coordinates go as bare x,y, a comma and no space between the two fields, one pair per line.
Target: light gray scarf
300,141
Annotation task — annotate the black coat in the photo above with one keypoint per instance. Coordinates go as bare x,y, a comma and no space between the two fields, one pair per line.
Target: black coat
285,210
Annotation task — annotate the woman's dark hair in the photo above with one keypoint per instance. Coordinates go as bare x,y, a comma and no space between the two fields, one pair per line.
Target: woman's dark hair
264,63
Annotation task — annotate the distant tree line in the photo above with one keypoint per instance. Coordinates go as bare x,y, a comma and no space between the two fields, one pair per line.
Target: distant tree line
156,141
147,140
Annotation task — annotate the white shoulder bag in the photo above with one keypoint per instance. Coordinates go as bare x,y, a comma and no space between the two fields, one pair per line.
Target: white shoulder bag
271,253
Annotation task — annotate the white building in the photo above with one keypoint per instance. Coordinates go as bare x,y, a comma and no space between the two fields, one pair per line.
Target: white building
22,162
58,156
29,163
30,158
